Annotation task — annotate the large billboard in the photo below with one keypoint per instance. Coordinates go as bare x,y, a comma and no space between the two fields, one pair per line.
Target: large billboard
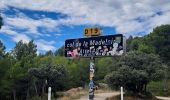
110,45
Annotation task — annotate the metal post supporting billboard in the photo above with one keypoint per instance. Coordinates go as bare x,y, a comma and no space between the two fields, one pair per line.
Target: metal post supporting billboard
91,77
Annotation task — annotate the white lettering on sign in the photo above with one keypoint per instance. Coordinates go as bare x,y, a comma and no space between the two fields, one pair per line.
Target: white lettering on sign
95,46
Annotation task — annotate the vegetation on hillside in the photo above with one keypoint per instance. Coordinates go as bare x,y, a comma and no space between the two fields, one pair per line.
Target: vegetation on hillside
24,74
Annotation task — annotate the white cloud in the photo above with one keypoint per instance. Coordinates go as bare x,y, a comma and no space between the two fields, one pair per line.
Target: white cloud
30,24
58,34
119,14
22,37
7,30
14,35
43,45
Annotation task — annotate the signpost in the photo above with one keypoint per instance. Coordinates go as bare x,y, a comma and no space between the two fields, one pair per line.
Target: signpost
91,77
95,46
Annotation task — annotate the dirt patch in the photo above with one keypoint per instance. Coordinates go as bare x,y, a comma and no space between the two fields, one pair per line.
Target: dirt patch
100,96
73,94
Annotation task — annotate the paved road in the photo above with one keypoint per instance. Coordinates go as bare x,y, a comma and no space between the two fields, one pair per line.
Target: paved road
101,96
163,98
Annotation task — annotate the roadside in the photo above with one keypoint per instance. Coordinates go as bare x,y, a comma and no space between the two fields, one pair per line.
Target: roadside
106,94
101,96
163,98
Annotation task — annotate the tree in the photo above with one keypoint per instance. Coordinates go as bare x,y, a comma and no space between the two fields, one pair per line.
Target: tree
128,42
24,58
1,22
2,50
134,71
55,76
59,52
160,40
49,53
22,50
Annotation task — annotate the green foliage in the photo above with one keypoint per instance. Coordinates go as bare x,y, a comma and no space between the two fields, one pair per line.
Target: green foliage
49,53
103,66
55,76
16,81
128,41
59,52
1,22
160,88
134,45
2,50
23,50
157,42
25,74
135,70
160,39
146,48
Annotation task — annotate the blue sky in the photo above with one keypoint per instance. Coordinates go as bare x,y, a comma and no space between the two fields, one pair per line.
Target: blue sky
50,22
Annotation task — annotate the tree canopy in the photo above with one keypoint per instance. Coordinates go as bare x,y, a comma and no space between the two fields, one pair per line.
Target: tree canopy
135,70
1,22
24,74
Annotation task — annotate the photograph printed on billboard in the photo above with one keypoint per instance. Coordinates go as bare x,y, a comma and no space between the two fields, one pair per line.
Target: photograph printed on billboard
110,45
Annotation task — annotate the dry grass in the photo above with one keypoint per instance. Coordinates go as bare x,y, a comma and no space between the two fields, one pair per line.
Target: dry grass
76,93
73,94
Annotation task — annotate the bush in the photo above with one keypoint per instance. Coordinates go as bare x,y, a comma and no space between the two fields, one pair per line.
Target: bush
134,71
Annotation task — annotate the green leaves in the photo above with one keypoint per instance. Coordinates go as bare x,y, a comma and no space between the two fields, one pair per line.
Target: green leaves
157,42
1,22
55,76
22,50
160,39
2,50
135,71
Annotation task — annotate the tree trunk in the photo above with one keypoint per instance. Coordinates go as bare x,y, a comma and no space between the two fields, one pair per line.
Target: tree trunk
43,88
35,87
145,87
27,97
14,94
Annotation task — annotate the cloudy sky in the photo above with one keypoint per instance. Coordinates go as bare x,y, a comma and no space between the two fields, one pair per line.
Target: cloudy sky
50,22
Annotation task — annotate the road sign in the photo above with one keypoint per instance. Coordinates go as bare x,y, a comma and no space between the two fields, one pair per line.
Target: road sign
92,32
110,45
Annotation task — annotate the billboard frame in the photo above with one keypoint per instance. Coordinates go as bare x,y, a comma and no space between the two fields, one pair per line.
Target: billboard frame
98,56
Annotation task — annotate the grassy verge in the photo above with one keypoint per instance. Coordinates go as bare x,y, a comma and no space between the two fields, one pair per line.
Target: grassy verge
157,88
